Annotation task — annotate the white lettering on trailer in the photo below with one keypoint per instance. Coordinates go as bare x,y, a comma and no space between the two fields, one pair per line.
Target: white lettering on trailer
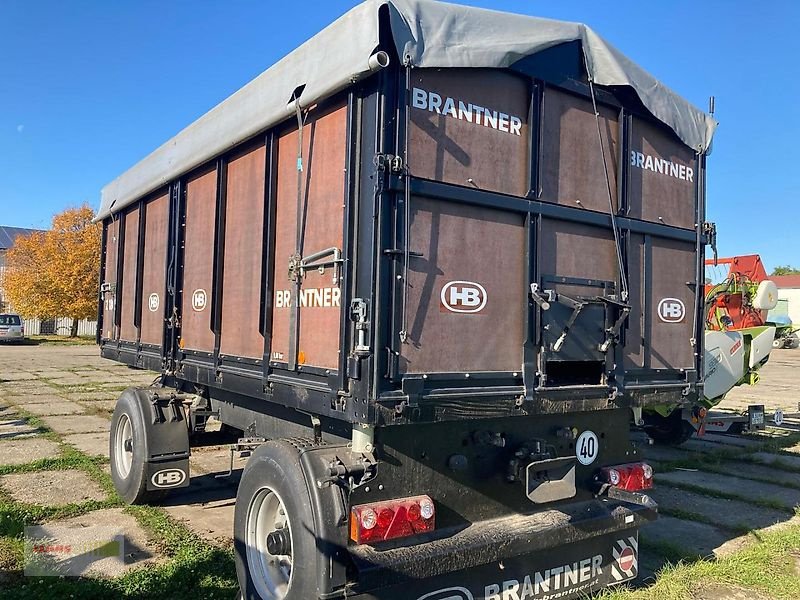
463,111
550,581
310,298
661,165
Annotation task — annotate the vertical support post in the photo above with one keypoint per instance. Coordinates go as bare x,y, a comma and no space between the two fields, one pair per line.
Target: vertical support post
219,258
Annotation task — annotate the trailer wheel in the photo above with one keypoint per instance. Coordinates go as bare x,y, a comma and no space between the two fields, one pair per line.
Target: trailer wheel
671,430
274,532
127,451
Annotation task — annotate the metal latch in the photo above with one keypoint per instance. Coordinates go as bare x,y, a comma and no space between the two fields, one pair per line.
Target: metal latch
359,314
389,162
543,298
299,266
710,232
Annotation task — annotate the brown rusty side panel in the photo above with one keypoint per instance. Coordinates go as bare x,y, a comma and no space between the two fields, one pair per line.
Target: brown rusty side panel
127,295
662,176
154,268
673,268
577,250
201,195
572,164
242,280
457,143
324,154
110,277
462,246
634,332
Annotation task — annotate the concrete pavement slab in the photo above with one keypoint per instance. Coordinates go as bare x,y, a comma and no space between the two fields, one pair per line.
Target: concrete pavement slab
93,444
77,424
771,458
12,428
62,407
22,451
40,399
692,538
761,473
735,486
732,514
90,528
51,488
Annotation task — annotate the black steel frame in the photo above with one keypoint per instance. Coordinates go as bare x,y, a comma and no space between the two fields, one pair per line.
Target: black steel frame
366,387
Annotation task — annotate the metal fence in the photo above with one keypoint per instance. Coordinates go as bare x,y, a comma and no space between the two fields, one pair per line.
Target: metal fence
60,326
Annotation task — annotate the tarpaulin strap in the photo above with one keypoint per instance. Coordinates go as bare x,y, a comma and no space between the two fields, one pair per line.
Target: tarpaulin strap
295,273
617,243
407,216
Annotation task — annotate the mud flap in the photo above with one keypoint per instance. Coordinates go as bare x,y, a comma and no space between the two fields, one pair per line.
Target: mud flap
166,439
570,571
167,475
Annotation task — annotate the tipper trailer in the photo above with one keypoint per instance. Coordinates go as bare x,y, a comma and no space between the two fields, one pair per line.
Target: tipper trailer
431,264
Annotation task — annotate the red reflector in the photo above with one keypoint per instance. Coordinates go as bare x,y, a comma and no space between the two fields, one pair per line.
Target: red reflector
631,476
392,519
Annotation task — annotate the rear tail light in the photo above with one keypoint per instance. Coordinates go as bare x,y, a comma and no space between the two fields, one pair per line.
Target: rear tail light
631,476
392,519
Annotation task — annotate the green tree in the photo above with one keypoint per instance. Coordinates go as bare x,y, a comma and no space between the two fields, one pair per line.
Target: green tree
785,270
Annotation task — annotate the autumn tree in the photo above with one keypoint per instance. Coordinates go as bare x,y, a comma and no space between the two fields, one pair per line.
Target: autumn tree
54,273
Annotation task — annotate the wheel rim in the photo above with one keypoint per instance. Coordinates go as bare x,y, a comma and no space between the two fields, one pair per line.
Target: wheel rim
123,447
271,573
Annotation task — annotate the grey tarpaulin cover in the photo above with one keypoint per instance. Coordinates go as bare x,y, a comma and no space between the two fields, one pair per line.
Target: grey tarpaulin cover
426,34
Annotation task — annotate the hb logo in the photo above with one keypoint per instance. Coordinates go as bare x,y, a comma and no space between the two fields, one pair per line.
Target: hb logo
199,300
167,478
463,297
671,310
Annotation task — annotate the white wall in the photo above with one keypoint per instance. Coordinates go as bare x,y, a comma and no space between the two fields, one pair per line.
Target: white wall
793,296
62,326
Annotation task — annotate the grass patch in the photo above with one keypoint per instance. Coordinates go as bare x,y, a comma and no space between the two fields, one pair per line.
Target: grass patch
768,565
59,340
192,568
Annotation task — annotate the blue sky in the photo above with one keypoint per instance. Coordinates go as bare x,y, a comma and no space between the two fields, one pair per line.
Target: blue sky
88,88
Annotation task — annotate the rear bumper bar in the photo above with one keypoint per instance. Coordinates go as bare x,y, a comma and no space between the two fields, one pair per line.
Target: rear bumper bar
473,548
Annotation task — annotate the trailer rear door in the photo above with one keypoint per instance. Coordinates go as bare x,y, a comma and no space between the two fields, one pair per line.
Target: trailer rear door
510,237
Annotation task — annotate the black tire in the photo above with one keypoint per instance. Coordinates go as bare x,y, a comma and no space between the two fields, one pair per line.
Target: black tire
275,467
131,486
671,430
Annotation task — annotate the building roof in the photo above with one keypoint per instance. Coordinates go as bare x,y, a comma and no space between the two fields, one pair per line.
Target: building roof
424,34
786,281
9,234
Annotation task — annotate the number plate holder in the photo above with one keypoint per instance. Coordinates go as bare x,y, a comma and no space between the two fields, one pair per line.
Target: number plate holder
550,480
